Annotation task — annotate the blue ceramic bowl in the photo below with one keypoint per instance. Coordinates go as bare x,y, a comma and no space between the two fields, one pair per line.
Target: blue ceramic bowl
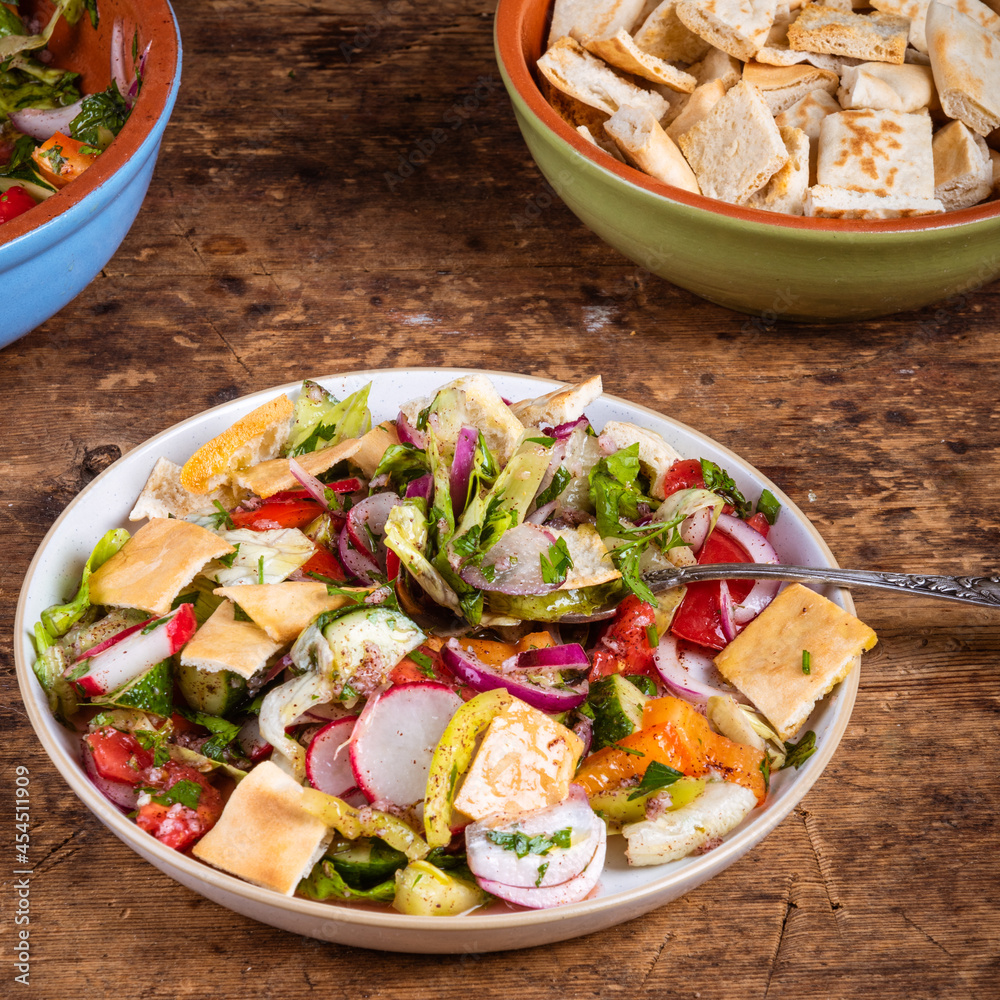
51,253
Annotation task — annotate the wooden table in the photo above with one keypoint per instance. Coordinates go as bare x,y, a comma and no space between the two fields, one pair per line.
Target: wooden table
272,246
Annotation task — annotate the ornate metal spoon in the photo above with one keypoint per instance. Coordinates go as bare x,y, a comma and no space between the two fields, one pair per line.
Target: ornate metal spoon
982,590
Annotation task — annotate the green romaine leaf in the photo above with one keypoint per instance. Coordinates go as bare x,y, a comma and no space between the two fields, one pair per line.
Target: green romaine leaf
323,882
322,420
102,116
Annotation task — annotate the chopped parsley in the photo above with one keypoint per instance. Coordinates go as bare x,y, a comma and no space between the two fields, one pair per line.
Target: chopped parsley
557,564
806,662
523,845
222,518
796,754
560,480
720,482
768,506
657,776
546,442
424,663
185,792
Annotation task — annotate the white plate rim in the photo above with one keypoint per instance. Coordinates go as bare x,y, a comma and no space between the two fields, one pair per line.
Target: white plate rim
589,914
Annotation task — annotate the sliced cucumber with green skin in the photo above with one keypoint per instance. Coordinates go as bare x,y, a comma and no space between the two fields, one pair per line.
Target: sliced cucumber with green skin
617,705
215,692
552,606
367,863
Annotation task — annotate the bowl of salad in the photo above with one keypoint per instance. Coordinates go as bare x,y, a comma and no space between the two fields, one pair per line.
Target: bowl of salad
86,92
370,658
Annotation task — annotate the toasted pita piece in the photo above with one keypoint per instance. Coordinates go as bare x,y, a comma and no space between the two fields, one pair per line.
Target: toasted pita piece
782,86
155,564
765,661
482,407
559,406
887,87
881,152
586,19
164,496
963,174
808,112
283,610
736,148
872,37
965,58
647,147
786,190
601,142
223,643
265,835
372,446
272,477
572,111
620,51
717,65
916,12
574,71
704,98
592,563
776,52
254,438
655,455
665,36
826,202
738,27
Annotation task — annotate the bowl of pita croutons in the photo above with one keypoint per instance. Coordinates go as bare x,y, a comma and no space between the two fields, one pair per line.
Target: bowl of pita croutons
806,161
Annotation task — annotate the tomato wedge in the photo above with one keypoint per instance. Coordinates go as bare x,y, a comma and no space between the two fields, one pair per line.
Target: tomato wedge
285,513
173,823
118,756
625,646
324,563
684,474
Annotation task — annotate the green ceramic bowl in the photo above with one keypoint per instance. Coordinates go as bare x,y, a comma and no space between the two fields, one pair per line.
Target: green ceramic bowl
758,262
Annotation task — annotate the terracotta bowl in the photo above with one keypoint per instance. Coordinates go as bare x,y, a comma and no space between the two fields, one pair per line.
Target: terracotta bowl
758,262
51,253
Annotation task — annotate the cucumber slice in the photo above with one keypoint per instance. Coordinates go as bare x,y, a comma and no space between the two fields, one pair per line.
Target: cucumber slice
213,692
366,863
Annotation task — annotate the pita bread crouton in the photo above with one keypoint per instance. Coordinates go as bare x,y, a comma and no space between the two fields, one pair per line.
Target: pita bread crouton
808,112
645,145
736,148
826,202
963,174
965,58
717,65
274,476
776,52
254,438
880,152
697,106
223,643
265,835
916,12
655,455
165,496
155,564
665,36
574,71
592,564
284,609
887,87
601,142
739,27
786,190
765,661
620,51
575,113
559,406
372,446
586,19
872,37
782,86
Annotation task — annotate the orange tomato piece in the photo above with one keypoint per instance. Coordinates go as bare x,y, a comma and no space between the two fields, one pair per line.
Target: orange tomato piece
493,653
61,159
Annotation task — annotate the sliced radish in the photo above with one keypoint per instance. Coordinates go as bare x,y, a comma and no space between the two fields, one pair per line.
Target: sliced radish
394,740
328,760
513,565
366,520
491,860
125,656
254,746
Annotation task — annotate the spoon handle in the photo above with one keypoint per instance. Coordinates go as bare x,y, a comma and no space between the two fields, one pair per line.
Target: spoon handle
982,590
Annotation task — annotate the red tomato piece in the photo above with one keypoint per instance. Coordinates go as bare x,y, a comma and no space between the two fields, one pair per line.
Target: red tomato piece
118,756
288,513
684,474
759,523
173,823
324,563
15,201
624,647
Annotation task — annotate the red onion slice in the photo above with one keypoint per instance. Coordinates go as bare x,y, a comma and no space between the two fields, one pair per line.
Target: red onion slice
726,612
421,488
358,564
567,656
461,467
481,677
43,123
760,550
563,431
118,60
408,434
689,673
311,484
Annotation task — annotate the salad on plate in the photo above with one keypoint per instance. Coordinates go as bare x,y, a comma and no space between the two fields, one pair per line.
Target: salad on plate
372,663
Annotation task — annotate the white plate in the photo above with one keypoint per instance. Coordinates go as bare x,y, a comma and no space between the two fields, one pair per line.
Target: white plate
623,893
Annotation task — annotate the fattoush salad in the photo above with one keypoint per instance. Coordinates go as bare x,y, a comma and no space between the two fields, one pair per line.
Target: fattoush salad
368,663
50,133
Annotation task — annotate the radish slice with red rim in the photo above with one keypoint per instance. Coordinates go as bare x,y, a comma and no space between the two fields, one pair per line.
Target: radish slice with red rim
513,565
358,564
394,740
481,677
328,758
408,434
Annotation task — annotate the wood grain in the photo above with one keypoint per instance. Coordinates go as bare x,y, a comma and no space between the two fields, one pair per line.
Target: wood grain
279,240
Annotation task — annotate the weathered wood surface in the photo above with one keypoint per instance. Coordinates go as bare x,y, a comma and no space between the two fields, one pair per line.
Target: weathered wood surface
271,247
